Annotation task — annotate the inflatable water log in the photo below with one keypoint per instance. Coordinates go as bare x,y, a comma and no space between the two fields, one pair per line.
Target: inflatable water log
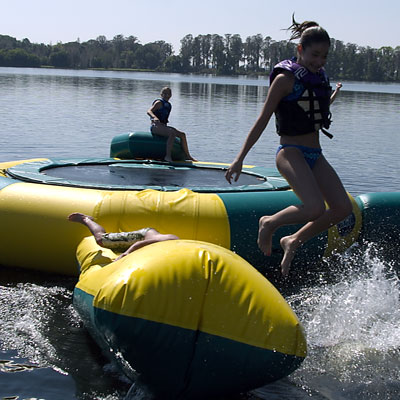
187,319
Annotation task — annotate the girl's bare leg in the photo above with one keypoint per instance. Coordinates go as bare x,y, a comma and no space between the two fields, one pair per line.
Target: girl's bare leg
294,168
169,145
96,230
164,130
339,204
171,133
153,234
185,146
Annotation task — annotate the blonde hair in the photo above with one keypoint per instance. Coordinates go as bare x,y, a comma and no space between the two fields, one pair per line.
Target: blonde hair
165,89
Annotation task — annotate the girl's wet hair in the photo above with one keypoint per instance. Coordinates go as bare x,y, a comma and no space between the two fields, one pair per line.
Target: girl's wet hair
308,32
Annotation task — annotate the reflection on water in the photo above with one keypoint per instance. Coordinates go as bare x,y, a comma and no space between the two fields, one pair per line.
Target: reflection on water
351,316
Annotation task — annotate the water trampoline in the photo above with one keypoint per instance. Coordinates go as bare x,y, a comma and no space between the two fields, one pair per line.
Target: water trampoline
111,174
133,188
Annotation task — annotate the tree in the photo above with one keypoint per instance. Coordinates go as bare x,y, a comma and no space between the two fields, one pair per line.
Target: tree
173,64
18,58
76,54
218,56
252,51
117,45
236,51
186,52
102,41
205,50
8,42
196,54
226,54
59,59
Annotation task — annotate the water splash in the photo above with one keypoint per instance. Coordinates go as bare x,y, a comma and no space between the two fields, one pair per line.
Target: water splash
27,310
39,322
353,329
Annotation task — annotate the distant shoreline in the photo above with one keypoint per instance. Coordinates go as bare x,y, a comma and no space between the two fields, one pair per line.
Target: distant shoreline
218,55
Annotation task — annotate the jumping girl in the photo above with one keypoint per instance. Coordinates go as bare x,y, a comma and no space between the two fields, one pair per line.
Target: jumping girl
300,95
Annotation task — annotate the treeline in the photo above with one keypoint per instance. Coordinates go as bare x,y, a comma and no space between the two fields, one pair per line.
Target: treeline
217,54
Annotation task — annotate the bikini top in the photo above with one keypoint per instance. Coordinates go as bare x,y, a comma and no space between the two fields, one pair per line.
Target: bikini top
306,109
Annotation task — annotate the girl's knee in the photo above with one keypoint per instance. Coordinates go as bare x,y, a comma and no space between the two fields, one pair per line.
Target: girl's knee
172,132
314,211
343,210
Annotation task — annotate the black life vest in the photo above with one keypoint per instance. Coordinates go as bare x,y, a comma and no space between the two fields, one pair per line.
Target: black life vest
306,109
163,112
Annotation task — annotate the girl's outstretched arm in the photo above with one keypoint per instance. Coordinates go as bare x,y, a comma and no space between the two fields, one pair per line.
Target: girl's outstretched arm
280,87
336,92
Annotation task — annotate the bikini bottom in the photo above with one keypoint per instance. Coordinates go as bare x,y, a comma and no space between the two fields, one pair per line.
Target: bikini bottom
310,154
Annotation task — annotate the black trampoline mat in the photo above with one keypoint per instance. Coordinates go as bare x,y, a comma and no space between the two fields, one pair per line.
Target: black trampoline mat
112,174
142,175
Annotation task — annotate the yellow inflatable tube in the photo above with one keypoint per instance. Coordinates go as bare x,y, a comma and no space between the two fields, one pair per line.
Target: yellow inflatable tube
34,220
34,206
190,319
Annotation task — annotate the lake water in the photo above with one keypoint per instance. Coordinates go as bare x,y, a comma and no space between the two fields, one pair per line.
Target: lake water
351,320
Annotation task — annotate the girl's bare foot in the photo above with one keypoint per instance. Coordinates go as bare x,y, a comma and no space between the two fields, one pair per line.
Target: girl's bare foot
289,246
79,217
169,159
265,232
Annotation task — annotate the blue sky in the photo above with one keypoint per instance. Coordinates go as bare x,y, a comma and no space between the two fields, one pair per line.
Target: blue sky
365,23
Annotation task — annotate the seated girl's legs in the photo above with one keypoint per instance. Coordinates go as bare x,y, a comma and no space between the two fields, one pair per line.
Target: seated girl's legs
96,230
185,146
292,165
339,204
170,133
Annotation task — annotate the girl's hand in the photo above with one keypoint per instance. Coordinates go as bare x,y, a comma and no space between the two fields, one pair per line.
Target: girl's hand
234,169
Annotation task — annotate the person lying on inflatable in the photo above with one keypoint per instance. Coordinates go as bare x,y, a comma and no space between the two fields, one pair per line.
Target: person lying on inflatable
125,242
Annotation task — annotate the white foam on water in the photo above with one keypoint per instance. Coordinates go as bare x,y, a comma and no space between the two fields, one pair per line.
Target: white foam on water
41,324
353,330
26,311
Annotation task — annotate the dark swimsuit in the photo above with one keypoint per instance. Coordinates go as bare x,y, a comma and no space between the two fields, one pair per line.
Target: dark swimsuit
306,109
310,154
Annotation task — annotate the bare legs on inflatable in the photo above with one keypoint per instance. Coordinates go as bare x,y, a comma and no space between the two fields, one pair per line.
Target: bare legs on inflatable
171,133
96,230
151,235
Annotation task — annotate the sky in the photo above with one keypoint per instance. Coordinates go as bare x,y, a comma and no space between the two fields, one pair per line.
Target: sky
365,23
